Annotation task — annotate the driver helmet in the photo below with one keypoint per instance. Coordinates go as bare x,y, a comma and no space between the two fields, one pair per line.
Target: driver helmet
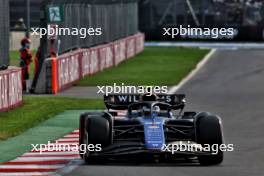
145,111
156,109
149,97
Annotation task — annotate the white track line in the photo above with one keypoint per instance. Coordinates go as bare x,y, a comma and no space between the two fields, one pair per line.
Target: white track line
68,139
21,166
43,158
52,153
58,144
71,140
72,136
68,142
26,173
193,72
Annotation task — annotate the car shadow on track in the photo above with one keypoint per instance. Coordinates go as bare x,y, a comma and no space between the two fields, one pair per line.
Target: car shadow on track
154,163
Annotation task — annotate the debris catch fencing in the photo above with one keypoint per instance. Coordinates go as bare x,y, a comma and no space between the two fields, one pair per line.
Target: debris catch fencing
4,32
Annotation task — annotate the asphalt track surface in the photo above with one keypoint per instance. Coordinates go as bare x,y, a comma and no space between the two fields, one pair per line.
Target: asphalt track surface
218,45
231,84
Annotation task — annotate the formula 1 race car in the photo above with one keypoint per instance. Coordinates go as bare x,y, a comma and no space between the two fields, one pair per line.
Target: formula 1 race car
151,127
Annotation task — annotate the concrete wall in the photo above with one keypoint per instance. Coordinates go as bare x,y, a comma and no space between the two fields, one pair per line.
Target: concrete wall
62,72
10,89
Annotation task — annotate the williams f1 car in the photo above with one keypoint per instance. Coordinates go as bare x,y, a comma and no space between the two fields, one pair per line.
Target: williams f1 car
152,126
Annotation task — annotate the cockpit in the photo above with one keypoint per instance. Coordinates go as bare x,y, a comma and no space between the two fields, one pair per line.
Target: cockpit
149,110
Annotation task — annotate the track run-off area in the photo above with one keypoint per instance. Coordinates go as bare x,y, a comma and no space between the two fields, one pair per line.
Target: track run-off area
231,85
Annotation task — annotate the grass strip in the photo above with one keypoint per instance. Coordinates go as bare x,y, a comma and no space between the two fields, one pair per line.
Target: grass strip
49,130
38,109
155,66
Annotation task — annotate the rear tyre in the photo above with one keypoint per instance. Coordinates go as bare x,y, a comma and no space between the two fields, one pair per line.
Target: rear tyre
209,132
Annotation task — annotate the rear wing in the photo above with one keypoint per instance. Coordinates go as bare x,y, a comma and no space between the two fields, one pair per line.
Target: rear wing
122,101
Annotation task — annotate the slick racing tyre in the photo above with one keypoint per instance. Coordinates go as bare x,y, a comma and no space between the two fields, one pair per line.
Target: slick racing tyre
209,132
82,126
98,132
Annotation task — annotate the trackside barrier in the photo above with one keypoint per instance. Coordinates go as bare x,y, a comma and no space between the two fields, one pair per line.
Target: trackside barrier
10,89
119,48
71,67
55,74
130,47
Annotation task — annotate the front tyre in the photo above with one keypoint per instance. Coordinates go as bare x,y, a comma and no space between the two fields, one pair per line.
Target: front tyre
98,131
209,132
